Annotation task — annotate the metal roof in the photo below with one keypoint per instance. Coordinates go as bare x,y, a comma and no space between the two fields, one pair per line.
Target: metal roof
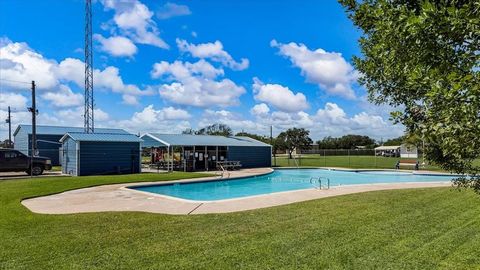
101,137
202,140
387,147
59,130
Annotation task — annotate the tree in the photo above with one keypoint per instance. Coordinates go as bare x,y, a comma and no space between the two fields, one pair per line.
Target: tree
215,129
346,142
423,57
293,138
189,131
261,138
394,141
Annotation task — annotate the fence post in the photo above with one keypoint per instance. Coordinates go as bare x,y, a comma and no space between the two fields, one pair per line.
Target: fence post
325,157
349,164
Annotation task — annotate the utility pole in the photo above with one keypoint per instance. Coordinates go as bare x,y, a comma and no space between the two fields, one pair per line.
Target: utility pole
34,112
9,121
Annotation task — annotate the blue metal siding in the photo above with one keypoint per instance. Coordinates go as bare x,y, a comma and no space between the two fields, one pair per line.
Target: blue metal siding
49,146
109,157
69,157
251,156
21,141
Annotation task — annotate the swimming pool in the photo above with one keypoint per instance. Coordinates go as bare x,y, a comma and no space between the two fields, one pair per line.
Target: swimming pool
282,180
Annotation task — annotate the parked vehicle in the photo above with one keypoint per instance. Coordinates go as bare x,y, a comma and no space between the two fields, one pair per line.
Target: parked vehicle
15,161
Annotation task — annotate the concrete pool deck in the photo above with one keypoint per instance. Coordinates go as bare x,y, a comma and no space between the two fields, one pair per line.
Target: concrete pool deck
120,198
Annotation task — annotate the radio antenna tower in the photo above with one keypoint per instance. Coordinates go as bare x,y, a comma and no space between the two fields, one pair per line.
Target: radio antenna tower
88,114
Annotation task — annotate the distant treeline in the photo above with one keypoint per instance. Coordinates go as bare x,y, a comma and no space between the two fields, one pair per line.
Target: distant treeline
295,137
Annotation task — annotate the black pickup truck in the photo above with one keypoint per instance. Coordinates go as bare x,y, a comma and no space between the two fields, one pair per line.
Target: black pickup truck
15,161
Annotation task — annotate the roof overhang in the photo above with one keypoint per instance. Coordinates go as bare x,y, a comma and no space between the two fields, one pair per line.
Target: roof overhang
158,140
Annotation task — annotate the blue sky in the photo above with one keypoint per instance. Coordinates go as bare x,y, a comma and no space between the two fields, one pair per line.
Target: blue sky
165,66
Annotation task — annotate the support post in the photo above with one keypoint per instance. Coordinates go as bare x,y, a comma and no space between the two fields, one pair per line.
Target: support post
184,160
205,159
216,157
194,160
168,158
9,121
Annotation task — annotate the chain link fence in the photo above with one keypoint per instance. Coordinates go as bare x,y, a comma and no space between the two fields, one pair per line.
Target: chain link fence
346,158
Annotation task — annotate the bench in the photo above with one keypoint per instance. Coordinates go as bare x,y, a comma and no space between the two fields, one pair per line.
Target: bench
413,163
232,165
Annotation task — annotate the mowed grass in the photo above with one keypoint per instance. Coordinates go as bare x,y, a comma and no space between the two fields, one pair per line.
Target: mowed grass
401,229
357,162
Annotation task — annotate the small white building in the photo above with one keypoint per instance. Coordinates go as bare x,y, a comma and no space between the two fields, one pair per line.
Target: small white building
403,151
387,151
408,151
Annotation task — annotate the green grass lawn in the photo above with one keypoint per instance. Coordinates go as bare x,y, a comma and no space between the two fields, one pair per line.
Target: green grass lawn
402,229
346,162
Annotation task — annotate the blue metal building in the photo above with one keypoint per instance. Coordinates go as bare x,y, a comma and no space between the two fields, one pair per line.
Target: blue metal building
203,152
100,153
48,138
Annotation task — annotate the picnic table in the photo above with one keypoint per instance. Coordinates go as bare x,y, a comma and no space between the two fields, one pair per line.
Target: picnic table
229,164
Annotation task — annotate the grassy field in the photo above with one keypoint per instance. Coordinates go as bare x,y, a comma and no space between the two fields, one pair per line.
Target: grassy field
345,161
402,229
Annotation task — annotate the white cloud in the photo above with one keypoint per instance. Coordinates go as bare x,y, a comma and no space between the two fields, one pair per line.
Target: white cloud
327,69
116,45
179,69
21,63
130,100
260,109
196,84
233,120
170,10
134,19
169,120
331,120
72,69
335,122
64,97
213,51
170,113
280,97
72,117
15,101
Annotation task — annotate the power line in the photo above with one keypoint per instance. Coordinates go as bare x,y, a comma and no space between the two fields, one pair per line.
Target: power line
7,80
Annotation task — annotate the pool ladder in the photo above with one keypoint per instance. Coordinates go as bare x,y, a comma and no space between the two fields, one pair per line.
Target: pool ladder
318,182
224,171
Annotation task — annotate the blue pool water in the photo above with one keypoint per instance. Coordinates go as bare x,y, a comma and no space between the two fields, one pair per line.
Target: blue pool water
281,180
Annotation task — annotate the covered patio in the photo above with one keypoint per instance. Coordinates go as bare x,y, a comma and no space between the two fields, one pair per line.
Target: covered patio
185,152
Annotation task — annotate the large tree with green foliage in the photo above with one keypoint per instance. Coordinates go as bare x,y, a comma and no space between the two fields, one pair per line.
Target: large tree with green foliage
423,57
293,138
346,142
215,129
257,137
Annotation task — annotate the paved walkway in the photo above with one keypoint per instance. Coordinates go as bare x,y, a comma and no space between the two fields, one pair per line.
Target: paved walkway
20,175
119,198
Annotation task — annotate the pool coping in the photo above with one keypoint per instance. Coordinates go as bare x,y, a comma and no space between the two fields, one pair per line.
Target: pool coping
119,197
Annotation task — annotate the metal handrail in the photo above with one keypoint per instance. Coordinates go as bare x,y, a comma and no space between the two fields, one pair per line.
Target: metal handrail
223,171
319,180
